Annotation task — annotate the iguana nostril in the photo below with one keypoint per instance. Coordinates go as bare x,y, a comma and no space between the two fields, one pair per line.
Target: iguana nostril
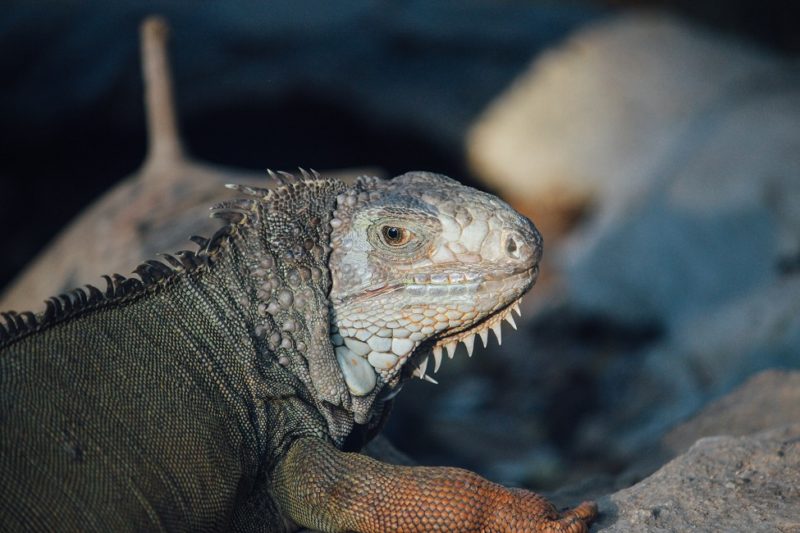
512,249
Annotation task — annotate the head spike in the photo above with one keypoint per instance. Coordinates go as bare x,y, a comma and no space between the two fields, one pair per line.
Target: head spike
429,379
515,307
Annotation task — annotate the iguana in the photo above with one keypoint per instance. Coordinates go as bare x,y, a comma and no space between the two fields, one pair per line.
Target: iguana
231,388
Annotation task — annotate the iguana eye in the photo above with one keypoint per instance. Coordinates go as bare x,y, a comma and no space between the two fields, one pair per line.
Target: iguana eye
395,236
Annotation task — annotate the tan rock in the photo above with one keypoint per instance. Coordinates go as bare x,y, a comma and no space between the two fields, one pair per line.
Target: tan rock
595,120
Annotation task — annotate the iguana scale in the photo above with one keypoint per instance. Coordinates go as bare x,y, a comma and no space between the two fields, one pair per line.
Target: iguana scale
231,388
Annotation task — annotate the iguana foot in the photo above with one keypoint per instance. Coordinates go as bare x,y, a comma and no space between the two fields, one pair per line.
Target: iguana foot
528,512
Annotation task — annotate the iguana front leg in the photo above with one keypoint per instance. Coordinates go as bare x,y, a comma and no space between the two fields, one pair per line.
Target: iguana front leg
320,487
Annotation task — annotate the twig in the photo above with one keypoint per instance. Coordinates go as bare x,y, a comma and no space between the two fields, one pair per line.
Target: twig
164,143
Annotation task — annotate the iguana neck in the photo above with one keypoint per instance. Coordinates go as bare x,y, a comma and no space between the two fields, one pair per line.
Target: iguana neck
274,266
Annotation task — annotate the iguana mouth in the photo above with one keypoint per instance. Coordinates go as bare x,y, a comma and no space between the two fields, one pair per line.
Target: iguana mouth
462,279
493,322
364,344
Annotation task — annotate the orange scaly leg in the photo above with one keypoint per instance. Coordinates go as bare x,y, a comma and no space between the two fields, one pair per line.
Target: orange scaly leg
321,487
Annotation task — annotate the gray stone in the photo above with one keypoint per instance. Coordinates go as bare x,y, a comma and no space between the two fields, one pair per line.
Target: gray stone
769,399
705,358
749,483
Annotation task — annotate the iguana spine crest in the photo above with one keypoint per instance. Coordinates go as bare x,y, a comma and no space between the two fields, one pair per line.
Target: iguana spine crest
152,274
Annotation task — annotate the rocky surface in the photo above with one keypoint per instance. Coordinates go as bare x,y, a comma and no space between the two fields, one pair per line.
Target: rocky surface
770,399
749,483
731,467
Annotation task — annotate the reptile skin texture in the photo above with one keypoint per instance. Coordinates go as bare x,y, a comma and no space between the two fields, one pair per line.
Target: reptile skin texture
230,389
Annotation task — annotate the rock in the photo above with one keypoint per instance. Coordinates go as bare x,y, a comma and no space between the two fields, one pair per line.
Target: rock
711,217
705,358
593,120
714,225
749,483
767,400
680,148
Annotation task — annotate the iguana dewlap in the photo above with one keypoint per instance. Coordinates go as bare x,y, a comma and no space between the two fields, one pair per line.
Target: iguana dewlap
231,388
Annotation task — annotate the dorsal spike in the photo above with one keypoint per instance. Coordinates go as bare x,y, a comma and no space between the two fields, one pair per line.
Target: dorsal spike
290,178
258,192
109,286
159,267
146,273
94,294
49,310
19,322
79,297
57,307
187,259
11,324
30,320
202,242
66,301
119,285
169,258
279,178
218,236
131,285
230,215
243,204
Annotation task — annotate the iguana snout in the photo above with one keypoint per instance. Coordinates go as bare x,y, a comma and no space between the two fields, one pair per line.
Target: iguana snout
420,263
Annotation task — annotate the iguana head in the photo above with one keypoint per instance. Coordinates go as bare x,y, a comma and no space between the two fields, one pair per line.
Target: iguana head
418,264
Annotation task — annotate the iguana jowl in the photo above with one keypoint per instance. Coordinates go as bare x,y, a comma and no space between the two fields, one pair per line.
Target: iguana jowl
230,389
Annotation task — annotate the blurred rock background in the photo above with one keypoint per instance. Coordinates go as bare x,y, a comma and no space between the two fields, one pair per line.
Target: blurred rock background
657,149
